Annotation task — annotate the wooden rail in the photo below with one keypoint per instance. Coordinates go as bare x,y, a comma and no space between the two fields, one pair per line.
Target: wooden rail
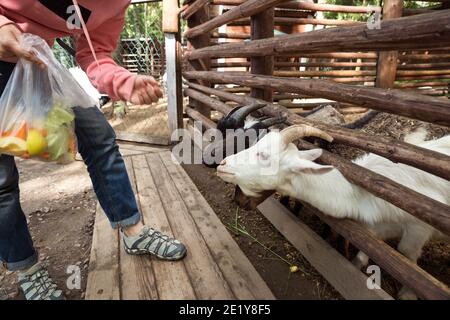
402,103
428,30
247,9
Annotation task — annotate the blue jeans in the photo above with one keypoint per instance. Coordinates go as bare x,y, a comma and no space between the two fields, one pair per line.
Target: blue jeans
97,145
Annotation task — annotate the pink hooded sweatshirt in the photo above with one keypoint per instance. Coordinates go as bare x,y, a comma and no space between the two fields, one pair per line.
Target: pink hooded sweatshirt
104,19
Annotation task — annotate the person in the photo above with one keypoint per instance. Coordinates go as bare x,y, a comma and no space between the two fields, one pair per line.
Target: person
97,26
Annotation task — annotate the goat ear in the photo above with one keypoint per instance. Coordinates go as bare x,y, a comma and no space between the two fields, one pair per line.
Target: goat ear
309,167
311,155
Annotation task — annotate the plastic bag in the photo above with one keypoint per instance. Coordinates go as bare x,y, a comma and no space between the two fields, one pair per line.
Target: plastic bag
36,116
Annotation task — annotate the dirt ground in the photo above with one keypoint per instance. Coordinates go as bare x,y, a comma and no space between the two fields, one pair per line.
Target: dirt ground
60,206
145,119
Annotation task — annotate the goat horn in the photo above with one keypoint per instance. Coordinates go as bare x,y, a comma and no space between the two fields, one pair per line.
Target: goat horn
267,123
296,132
243,112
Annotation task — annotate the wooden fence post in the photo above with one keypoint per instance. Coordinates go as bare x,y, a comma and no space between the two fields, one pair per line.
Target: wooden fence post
262,26
387,60
203,40
171,29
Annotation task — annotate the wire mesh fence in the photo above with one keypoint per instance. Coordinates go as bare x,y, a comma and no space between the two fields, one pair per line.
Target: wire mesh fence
142,55
62,55
140,50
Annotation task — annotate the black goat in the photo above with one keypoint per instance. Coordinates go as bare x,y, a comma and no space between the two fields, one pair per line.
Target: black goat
249,132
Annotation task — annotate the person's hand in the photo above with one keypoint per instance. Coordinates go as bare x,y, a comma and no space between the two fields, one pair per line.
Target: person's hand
10,48
146,90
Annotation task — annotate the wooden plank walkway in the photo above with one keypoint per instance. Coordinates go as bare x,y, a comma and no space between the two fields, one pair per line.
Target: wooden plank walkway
215,267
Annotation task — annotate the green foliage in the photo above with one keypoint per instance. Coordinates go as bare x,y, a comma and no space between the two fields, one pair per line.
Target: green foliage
351,16
143,20
63,57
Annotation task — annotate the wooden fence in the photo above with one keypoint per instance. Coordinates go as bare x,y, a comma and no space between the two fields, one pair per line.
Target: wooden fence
399,65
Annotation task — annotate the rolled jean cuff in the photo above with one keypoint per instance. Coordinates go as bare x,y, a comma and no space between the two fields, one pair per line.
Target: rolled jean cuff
24,264
131,221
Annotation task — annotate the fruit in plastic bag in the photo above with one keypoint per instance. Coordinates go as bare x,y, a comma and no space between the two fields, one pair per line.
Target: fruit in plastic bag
59,135
14,146
36,116
36,142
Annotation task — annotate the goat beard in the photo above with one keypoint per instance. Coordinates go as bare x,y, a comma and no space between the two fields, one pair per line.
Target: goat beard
250,203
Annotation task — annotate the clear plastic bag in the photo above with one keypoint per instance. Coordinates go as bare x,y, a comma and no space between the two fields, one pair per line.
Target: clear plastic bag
36,116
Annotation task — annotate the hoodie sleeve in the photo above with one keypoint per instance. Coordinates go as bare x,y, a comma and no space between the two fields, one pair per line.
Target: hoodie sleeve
108,77
3,20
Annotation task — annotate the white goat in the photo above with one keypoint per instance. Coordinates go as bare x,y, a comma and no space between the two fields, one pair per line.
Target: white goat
275,163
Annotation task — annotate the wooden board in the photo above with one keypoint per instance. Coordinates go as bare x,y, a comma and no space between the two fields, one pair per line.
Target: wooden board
215,267
244,280
136,272
338,271
142,138
173,280
103,278
206,277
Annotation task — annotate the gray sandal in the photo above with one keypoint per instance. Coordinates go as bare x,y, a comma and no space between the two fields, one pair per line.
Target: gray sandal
37,285
150,241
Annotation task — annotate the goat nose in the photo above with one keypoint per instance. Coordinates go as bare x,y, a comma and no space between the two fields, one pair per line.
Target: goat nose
223,162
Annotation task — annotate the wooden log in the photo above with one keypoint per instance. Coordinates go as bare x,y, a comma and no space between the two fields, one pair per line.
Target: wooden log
423,56
288,21
193,8
283,13
231,35
397,151
247,9
397,265
328,73
413,73
281,64
420,84
170,16
417,66
199,117
411,11
261,28
303,5
325,64
435,77
200,16
405,104
427,30
324,258
387,60
281,21
207,100
335,55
